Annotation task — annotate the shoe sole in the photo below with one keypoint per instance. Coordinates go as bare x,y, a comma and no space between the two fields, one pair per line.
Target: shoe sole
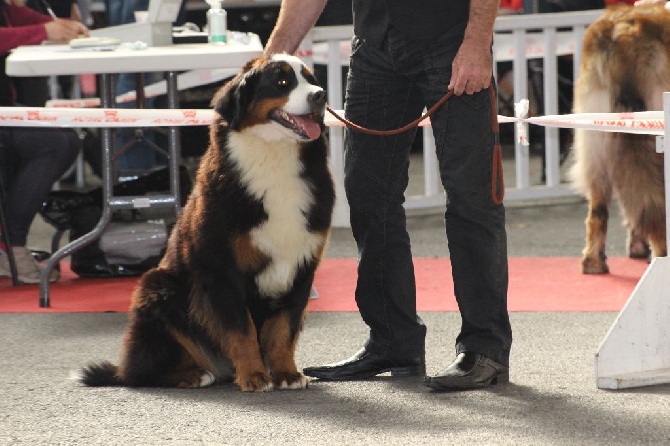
419,370
398,372
501,378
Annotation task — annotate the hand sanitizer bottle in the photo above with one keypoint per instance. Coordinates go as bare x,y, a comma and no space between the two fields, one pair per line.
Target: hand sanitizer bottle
216,22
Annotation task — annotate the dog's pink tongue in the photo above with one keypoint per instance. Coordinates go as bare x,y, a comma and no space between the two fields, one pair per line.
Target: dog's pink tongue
311,128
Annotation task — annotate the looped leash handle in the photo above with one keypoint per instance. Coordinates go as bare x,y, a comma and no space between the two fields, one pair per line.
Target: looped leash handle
497,176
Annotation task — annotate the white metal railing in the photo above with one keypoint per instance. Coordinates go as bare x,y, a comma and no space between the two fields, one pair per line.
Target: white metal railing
544,37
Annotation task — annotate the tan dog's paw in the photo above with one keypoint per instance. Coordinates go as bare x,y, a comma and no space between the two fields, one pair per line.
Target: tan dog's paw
195,378
596,265
290,381
255,382
638,249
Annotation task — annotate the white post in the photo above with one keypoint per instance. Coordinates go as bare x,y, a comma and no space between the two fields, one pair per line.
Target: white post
334,70
520,66
550,99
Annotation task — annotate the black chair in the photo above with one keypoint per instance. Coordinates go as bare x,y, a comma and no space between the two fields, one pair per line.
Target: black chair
5,236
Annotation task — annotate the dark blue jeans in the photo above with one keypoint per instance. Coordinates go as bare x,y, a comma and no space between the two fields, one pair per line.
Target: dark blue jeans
386,88
32,159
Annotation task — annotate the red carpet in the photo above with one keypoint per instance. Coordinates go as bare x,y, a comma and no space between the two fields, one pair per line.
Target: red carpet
536,284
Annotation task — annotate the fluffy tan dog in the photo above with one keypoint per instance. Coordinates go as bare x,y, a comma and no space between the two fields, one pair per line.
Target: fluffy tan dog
625,68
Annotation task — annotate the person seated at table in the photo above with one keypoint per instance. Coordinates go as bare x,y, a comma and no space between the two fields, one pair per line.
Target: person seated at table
133,151
31,159
68,9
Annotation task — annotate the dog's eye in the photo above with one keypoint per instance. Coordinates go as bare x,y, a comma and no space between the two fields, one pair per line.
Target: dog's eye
282,82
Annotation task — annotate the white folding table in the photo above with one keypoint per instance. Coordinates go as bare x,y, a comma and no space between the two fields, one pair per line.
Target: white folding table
48,60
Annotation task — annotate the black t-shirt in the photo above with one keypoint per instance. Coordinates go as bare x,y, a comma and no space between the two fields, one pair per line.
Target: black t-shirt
420,20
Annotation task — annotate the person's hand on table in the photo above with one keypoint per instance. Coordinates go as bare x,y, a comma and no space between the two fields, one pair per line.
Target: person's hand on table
65,30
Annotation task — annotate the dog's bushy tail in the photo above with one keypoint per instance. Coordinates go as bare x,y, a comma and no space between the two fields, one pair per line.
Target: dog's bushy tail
100,374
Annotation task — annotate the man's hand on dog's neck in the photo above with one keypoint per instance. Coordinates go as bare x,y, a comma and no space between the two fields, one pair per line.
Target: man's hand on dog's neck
295,20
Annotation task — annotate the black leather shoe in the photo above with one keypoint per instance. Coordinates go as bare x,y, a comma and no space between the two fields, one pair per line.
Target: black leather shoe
469,371
366,365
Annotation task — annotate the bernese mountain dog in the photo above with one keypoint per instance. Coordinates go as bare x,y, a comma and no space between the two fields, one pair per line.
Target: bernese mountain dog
228,300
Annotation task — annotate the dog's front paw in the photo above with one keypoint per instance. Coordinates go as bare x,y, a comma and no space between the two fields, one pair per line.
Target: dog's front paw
289,380
255,382
596,265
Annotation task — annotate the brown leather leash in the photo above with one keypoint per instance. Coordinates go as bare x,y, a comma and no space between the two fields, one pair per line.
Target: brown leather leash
402,129
497,180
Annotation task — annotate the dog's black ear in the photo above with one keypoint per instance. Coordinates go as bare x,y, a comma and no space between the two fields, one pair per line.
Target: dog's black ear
233,101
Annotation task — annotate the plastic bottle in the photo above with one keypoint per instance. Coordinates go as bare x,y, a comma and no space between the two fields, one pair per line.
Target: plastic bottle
216,22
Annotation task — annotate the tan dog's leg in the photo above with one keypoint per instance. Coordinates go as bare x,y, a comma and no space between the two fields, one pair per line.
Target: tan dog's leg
194,368
278,348
592,176
594,259
243,350
658,244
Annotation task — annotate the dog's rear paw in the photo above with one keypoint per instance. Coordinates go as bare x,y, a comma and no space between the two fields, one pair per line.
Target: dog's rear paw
594,266
639,250
255,382
290,381
207,379
196,378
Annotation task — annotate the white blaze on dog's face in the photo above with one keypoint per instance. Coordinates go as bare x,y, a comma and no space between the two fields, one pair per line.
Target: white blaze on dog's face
276,98
305,102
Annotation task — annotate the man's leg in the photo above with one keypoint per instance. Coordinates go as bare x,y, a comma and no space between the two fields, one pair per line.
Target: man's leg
475,227
376,176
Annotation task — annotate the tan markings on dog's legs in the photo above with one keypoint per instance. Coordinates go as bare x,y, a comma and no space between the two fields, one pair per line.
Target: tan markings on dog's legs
187,374
240,348
199,374
248,256
245,353
278,352
321,249
594,258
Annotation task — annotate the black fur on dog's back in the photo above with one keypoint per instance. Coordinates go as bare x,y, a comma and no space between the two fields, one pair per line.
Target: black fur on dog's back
228,299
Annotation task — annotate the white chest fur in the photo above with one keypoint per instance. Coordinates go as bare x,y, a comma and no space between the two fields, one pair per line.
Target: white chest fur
271,174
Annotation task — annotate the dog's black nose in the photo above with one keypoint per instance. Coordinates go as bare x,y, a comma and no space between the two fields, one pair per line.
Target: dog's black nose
317,98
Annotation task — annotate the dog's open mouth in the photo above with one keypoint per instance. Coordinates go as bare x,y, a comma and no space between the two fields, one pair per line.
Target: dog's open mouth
305,126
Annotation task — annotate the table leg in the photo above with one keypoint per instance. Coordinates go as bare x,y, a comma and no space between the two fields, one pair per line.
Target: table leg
109,202
106,100
174,142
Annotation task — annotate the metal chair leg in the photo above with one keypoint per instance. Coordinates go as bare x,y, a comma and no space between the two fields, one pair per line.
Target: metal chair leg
5,237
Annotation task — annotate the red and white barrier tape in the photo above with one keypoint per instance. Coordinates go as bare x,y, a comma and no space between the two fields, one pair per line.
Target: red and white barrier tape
102,117
646,123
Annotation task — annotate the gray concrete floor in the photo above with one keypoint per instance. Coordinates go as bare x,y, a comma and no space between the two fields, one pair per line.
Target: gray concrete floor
551,400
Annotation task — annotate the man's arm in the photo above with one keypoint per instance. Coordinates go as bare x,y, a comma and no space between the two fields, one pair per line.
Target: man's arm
473,65
296,18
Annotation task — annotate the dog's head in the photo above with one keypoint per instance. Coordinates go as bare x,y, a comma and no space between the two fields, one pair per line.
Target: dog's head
274,97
